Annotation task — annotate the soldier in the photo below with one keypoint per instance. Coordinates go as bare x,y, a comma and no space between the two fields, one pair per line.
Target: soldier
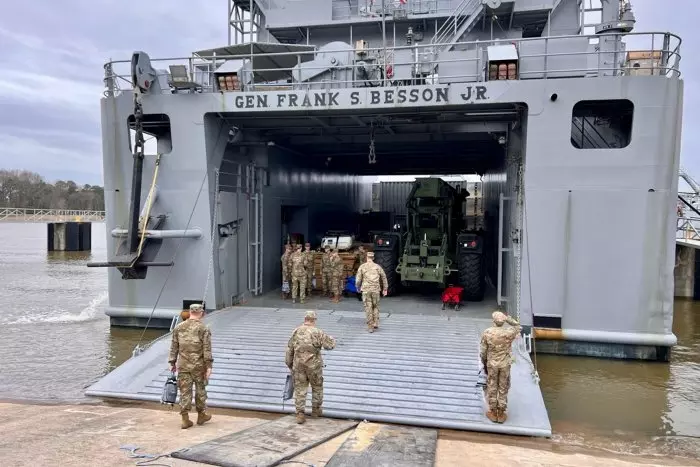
326,271
336,267
191,351
303,358
286,268
375,281
496,356
298,261
360,258
309,268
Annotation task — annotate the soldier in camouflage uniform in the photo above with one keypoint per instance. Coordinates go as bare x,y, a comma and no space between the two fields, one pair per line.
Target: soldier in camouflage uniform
360,258
309,268
298,261
371,281
303,358
336,267
326,271
286,267
496,356
190,355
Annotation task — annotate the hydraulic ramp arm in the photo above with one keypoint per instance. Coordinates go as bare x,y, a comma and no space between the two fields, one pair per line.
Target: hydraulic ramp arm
128,258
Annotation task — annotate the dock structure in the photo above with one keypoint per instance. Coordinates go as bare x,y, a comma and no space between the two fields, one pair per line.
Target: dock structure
415,370
687,270
44,215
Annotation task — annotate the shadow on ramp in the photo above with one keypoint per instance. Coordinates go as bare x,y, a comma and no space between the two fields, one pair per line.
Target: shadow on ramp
266,444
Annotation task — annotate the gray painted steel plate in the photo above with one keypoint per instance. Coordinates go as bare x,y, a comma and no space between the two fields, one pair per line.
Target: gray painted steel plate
267,444
415,370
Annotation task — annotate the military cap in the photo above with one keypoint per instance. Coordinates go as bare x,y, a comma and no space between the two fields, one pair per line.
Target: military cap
498,318
370,254
196,307
311,314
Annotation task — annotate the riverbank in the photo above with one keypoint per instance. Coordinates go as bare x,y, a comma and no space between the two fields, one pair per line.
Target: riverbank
91,434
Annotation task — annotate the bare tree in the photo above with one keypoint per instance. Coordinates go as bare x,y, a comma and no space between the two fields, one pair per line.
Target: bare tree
23,189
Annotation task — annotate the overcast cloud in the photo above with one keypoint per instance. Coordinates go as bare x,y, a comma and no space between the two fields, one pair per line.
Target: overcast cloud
52,53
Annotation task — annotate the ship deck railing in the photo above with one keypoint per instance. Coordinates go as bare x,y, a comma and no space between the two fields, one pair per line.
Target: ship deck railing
660,52
41,215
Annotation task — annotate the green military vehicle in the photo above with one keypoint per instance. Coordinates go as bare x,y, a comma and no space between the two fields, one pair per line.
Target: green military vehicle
435,248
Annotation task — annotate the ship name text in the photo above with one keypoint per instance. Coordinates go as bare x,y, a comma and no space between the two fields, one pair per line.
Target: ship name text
364,98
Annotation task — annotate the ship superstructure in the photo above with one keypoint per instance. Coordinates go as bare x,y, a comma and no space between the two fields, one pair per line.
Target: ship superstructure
570,116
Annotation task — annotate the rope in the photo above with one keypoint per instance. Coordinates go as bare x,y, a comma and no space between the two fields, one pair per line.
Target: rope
149,205
214,229
177,250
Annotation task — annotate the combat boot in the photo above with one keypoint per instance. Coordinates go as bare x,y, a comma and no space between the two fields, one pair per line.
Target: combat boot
370,329
203,417
316,412
186,422
502,417
491,415
300,418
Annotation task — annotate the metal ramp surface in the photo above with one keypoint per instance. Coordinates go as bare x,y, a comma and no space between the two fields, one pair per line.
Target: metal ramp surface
415,370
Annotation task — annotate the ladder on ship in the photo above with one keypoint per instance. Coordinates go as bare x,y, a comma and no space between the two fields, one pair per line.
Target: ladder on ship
459,23
255,179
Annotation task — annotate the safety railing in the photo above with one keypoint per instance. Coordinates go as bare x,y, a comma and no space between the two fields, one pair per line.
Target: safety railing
392,9
449,29
688,228
40,215
661,49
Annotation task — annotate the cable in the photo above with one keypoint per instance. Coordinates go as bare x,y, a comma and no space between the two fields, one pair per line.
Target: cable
529,284
177,250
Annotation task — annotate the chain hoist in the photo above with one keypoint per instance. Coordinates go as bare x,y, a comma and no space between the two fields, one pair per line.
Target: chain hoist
138,125
372,157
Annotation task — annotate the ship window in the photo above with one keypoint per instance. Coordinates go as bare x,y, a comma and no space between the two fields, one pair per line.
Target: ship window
156,134
603,124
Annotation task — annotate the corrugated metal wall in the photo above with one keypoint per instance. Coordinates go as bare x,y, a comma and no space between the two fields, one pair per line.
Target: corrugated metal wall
391,196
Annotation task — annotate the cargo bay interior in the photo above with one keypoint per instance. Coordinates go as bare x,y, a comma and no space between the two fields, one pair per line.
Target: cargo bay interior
315,172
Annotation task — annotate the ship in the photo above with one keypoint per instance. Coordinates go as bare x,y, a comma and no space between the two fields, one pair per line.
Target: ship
569,118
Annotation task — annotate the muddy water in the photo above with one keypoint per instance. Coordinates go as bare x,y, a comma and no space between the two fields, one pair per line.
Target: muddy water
55,340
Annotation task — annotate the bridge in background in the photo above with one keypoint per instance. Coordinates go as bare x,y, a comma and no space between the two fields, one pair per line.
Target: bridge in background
49,215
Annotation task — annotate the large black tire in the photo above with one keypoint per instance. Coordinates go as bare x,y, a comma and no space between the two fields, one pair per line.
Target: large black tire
471,276
388,260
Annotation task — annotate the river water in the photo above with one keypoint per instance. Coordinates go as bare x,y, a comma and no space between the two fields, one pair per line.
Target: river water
55,340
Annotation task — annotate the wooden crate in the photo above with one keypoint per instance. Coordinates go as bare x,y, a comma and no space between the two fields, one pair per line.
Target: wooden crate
348,262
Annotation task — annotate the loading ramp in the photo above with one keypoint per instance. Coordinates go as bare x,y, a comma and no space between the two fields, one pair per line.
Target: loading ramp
416,370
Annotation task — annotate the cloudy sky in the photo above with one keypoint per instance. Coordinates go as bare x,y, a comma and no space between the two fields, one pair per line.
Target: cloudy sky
52,53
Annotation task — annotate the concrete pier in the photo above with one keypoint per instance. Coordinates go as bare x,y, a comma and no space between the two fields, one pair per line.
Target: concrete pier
687,270
69,236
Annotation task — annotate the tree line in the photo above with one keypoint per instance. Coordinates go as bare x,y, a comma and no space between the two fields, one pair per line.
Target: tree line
24,189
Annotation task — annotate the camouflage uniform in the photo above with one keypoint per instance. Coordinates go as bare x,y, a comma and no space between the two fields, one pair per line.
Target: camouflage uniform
298,261
303,358
360,258
191,350
371,280
336,267
496,356
326,271
309,269
287,266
